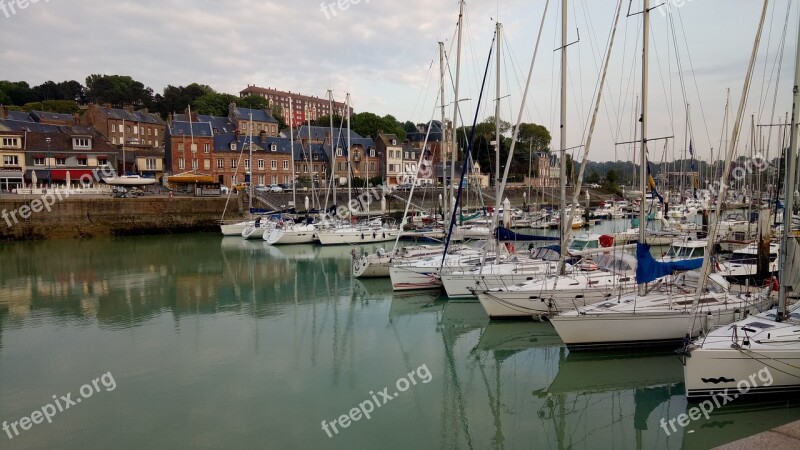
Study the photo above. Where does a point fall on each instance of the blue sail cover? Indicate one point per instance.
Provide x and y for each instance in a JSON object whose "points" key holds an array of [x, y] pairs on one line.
{"points": [[504, 234], [648, 269]]}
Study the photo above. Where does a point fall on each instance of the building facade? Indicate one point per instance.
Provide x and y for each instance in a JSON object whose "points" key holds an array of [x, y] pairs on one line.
{"points": [[304, 107]]}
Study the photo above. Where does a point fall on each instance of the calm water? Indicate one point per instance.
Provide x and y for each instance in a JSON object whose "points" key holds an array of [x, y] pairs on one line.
{"points": [[214, 343]]}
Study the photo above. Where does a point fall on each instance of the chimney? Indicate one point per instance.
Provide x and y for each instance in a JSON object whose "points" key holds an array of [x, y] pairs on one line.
{"points": [[107, 105], [231, 110], [263, 136], [76, 118], [128, 108], [328, 139], [169, 119], [3, 112]]}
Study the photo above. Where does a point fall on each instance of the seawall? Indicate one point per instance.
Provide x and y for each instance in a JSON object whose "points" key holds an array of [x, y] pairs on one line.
{"points": [[84, 217]]}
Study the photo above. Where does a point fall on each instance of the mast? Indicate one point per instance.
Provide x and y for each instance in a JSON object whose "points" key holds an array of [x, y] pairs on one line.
{"points": [[349, 155], [643, 149], [443, 138], [333, 149], [563, 143], [123, 147], [250, 188], [455, 100], [291, 153], [497, 200], [788, 207]]}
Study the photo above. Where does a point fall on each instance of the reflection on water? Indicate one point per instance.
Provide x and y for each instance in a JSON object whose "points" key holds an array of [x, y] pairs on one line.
{"points": [[223, 342]]}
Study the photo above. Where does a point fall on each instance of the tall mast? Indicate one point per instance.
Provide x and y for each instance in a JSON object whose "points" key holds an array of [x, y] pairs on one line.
{"points": [[250, 188], [443, 139], [454, 147], [563, 143], [497, 200], [333, 149], [123, 148], [349, 155], [788, 207], [291, 152], [643, 149]]}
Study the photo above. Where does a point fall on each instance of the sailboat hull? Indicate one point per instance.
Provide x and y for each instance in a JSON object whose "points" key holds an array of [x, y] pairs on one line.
{"points": [[303, 235], [353, 236], [235, 229]]}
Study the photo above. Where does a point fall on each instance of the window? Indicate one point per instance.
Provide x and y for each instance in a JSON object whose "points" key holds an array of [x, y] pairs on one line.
{"points": [[273, 164], [81, 143], [206, 148], [82, 162], [285, 165], [339, 167], [149, 131], [181, 163], [372, 153], [220, 163], [413, 155], [194, 164], [180, 147], [206, 164], [113, 128], [233, 146], [274, 179], [407, 156], [61, 161], [150, 164], [233, 163], [100, 161], [10, 160], [194, 148], [372, 166], [135, 129], [114, 140], [261, 164], [38, 161], [156, 132], [305, 168], [394, 141], [156, 141], [338, 151], [273, 147], [234, 180], [246, 163], [286, 179], [261, 179]]}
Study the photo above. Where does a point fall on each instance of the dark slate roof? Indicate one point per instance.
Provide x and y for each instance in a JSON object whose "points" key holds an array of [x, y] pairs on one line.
{"points": [[136, 116], [259, 115], [201, 129], [319, 133], [17, 125], [61, 141], [220, 124], [222, 143], [39, 115], [435, 133], [19, 115]]}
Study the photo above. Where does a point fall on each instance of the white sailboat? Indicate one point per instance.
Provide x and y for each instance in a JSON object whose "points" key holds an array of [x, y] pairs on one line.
{"points": [[661, 315], [737, 358]]}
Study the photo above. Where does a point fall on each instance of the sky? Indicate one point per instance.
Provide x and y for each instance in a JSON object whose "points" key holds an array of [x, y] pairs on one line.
{"points": [[386, 55]]}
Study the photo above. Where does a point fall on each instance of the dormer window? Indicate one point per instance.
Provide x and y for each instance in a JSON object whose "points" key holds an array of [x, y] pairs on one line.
{"points": [[394, 141], [273, 147], [338, 151], [233, 146], [84, 143], [372, 153]]}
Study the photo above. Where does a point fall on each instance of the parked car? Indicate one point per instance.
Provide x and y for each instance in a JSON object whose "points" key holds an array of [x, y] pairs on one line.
{"points": [[262, 189], [275, 188], [593, 185], [285, 187]]}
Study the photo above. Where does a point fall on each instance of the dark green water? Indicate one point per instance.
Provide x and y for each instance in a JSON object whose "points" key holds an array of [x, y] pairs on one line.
{"points": [[222, 343]]}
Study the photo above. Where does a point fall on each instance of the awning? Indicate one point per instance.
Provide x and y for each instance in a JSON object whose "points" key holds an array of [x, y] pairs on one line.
{"points": [[11, 175], [191, 178], [41, 175], [74, 174]]}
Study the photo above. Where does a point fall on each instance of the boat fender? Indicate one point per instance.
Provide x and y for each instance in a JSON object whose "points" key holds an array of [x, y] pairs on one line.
{"points": [[362, 235], [374, 235]]}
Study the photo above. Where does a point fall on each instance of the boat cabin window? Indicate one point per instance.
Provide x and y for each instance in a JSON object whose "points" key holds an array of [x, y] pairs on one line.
{"points": [[744, 258], [582, 244]]}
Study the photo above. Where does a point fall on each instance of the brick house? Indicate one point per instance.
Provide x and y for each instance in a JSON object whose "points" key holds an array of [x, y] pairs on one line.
{"points": [[126, 125]]}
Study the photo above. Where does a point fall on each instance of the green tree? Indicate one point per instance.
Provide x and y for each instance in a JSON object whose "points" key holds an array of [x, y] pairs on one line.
{"points": [[534, 136], [213, 104], [409, 127], [65, 90], [593, 178], [254, 102], [177, 98], [16, 93], [118, 90], [56, 106]]}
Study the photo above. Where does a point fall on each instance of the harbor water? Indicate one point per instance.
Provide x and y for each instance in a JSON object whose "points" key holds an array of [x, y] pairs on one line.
{"points": [[199, 341]]}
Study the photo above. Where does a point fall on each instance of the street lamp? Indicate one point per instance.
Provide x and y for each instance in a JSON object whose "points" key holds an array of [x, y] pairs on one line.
{"points": [[49, 162]]}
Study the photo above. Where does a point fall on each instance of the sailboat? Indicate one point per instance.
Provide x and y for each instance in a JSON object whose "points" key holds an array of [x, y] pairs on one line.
{"points": [[661, 313], [759, 354], [355, 233], [124, 179]]}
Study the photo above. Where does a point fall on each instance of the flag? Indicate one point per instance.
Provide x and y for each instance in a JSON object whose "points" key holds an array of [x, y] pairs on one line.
{"points": [[652, 184]]}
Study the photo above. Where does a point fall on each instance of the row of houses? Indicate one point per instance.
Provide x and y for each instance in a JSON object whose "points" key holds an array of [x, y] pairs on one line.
{"points": [[42, 147]]}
